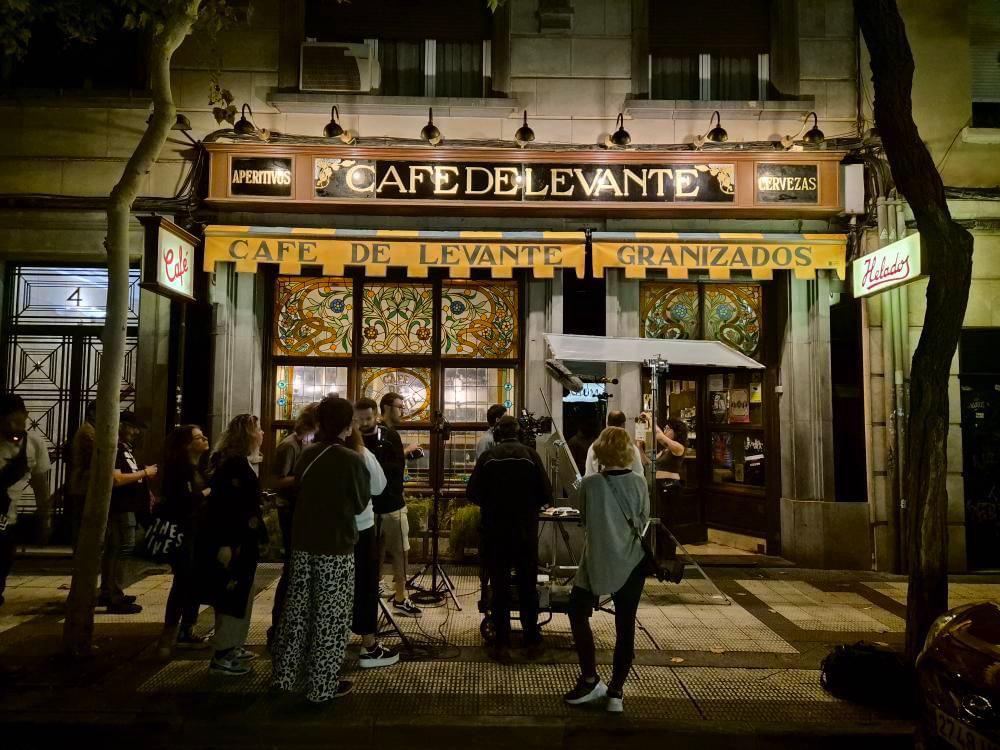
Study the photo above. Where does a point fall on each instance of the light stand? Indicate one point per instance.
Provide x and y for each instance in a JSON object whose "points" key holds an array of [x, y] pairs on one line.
{"points": [[657, 367], [441, 583]]}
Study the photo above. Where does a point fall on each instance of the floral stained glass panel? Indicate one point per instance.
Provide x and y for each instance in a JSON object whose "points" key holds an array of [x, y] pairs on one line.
{"points": [[732, 316], [412, 383], [479, 319], [670, 311], [314, 317], [397, 319]]}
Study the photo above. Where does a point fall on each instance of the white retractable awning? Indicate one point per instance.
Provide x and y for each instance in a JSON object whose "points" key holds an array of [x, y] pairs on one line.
{"points": [[676, 352]]}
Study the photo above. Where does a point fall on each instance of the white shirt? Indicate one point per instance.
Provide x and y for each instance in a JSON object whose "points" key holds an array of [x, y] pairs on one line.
{"points": [[366, 518], [38, 464], [594, 467]]}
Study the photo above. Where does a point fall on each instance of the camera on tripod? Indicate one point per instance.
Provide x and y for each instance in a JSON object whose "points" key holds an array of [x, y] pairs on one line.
{"points": [[529, 427]]}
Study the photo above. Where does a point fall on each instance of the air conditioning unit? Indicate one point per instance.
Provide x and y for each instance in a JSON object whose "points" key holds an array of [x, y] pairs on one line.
{"points": [[336, 66]]}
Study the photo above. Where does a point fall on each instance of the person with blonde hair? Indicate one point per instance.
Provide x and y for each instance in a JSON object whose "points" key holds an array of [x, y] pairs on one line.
{"points": [[233, 531], [615, 512]]}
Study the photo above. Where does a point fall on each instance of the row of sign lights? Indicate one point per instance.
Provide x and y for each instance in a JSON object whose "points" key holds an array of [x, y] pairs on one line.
{"points": [[524, 134]]}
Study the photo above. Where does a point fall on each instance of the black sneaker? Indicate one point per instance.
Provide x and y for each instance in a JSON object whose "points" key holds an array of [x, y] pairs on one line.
{"points": [[499, 653], [123, 608], [378, 656], [586, 691], [343, 688], [406, 608]]}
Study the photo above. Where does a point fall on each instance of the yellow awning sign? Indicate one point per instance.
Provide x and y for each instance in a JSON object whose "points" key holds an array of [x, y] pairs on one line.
{"points": [[378, 250], [720, 254]]}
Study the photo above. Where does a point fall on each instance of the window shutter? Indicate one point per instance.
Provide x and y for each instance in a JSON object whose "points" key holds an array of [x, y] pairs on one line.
{"points": [[398, 20], [984, 39], [732, 27]]}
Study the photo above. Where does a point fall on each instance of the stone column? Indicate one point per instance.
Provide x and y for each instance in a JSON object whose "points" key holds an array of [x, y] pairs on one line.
{"points": [[238, 375], [544, 314], [622, 309], [152, 377], [814, 527]]}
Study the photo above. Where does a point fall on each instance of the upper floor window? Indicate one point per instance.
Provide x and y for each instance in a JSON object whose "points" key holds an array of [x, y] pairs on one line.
{"points": [[428, 49], [984, 48], [721, 55]]}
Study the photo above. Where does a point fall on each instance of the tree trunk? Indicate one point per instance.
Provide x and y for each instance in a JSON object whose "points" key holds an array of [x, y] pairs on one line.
{"points": [[79, 627], [947, 250]]}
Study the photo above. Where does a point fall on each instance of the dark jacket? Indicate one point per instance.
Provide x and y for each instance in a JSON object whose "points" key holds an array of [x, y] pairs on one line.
{"points": [[333, 488], [509, 484], [232, 519], [181, 498], [387, 446]]}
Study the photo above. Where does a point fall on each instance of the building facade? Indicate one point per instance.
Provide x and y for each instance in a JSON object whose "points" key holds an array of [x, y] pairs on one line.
{"points": [[770, 468]]}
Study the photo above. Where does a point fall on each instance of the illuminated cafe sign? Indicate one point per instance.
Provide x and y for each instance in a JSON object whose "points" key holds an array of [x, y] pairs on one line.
{"points": [[895, 264], [378, 250], [253, 176], [719, 254], [787, 183], [169, 265], [353, 179]]}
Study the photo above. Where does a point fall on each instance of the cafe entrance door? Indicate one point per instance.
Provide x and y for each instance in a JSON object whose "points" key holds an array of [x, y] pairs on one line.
{"points": [[724, 493]]}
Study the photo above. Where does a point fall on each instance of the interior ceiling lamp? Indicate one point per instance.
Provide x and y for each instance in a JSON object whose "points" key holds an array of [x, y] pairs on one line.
{"points": [[620, 137], [524, 134], [430, 132], [813, 137], [244, 126]]}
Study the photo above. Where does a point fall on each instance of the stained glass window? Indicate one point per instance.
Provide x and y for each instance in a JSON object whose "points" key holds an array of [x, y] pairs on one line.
{"points": [[412, 383], [460, 455], [470, 391], [670, 311], [296, 386], [732, 315], [397, 318], [479, 319], [313, 316]]}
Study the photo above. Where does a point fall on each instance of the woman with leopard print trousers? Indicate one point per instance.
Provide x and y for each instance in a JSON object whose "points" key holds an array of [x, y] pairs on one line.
{"points": [[334, 487]]}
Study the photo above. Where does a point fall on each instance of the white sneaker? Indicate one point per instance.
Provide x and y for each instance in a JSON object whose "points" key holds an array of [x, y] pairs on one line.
{"points": [[586, 692], [378, 656], [616, 703]]}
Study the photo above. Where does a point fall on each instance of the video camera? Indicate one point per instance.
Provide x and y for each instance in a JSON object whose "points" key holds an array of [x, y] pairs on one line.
{"points": [[530, 427]]}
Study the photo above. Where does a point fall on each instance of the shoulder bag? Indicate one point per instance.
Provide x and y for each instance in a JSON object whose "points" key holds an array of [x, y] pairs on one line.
{"points": [[651, 566]]}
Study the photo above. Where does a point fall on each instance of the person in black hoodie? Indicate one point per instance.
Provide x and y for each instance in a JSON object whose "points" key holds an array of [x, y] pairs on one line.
{"points": [[184, 492], [230, 543], [510, 485]]}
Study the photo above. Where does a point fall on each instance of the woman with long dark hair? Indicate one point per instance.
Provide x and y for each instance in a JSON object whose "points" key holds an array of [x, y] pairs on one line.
{"points": [[334, 487], [232, 533], [184, 490]]}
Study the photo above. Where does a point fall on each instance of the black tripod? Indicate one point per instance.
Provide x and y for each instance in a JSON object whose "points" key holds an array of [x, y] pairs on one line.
{"points": [[441, 583]]}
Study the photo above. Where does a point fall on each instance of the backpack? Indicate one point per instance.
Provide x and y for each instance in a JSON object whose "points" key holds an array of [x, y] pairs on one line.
{"points": [[868, 674]]}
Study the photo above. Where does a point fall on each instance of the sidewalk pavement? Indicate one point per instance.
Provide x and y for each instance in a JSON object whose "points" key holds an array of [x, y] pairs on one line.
{"points": [[709, 672]]}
